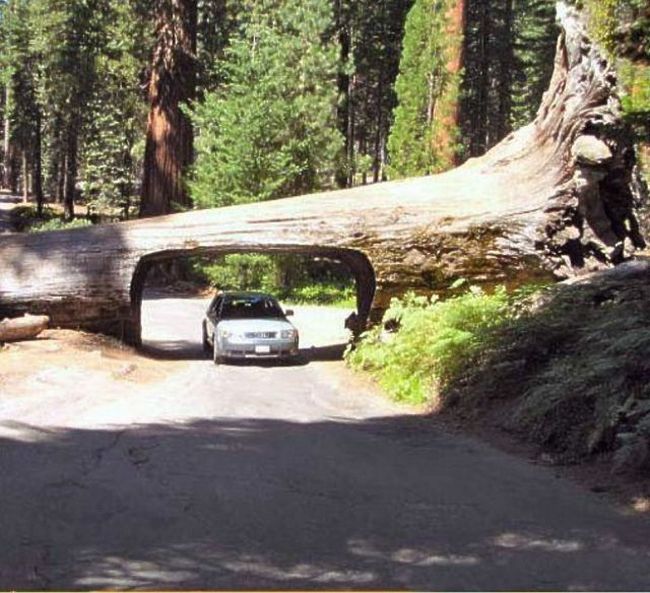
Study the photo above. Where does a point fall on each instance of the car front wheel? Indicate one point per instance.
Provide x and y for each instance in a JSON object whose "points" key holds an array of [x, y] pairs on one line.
{"points": [[206, 343], [216, 358]]}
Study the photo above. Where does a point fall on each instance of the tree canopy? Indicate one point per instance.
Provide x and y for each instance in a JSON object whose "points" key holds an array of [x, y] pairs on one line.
{"points": [[147, 106]]}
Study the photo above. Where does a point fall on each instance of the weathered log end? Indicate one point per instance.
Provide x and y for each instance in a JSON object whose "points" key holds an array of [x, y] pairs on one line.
{"points": [[592, 219], [23, 328]]}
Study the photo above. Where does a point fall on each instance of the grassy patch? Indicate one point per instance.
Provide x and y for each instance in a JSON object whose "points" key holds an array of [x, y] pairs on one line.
{"points": [[58, 224], [25, 219]]}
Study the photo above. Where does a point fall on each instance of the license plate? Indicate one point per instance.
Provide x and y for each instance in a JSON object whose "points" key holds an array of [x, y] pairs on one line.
{"points": [[262, 349]]}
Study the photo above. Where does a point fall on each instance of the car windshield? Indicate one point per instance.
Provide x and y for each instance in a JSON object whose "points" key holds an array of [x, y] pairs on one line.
{"points": [[250, 307]]}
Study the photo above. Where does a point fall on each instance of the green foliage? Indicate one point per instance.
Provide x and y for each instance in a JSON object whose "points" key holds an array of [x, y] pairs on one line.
{"points": [[23, 217], [113, 133], [370, 34], [622, 27], [73, 68], [295, 279], [635, 78], [240, 272], [333, 294], [566, 367], [436, 341], [426, 91], [534, 39], [19, 72], [508, 62], [270, 131]]}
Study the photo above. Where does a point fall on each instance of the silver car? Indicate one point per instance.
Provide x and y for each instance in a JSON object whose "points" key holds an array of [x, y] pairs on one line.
{"points": [[241, 325]]}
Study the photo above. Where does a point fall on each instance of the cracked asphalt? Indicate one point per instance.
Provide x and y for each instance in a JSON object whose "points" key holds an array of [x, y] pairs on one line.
{"points": [[283, 477]]}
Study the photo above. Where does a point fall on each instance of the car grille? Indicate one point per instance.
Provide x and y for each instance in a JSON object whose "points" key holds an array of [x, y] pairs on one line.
{"points": [[262, 335]]}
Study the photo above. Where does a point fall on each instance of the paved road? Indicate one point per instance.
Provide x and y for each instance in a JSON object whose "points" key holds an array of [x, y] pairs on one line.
{"points": [[257, 477], [7, 203]]}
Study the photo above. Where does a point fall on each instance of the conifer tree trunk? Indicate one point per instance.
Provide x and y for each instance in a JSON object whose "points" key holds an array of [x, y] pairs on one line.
{"points": [[60, 179], [25, 173], [168, 150], [351, 133], [505, 72], [443, 140], [9, 179], [343, 110], [37, 165], [484, 83], [377, 160], [72, 149]]}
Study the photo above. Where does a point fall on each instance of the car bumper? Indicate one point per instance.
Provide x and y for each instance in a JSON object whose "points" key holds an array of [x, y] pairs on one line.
{"points": [[267, 349]]}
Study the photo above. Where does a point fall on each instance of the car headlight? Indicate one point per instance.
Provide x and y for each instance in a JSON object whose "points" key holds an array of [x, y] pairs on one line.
{"points": [[289, 334], [224, 333]]}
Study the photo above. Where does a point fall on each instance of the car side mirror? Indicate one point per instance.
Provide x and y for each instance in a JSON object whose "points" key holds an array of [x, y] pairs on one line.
{"points": [[289, 313]]}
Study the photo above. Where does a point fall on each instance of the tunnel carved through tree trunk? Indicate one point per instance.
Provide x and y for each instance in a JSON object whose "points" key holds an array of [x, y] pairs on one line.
{"points": [[554, 199]]}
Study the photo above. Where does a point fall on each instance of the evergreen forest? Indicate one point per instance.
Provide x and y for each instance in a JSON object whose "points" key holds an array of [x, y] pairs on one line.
{"points": [[246, 100]]}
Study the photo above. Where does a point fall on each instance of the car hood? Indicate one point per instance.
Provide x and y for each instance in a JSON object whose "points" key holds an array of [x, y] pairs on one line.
{"points": [[241, 326]]}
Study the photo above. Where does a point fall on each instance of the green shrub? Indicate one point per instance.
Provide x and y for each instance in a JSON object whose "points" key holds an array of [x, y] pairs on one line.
{"points": [[286, 277], [436, 341], [322, 294], [245, 271]]}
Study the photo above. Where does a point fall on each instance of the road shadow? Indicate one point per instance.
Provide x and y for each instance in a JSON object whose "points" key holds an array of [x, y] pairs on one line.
{"points": [[187, 291], [173, 350], [189, 350], [244, 504]]}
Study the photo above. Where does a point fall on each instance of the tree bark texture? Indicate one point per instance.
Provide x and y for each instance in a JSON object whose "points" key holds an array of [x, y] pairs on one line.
{"points": [[168, 150], [25, 176], [443, 140], [71, 165], [343, 24], [554, 199], [37, 165], [7, 152]]}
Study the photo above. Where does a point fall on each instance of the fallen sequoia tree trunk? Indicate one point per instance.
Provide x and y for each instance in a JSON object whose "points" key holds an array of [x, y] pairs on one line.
{"points": [[22, 328], [555, 199]]}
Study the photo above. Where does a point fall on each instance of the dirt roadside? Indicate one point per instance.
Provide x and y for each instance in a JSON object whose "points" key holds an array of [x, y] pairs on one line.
{"points": [[631, 493], [70, 360]]}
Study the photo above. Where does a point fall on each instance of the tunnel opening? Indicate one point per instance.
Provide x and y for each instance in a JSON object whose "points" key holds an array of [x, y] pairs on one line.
{"points": [[330, 290]]}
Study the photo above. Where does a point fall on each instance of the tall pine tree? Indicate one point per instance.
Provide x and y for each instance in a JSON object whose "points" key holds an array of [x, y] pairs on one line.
{"points": [[427, 91], [270, 130]]}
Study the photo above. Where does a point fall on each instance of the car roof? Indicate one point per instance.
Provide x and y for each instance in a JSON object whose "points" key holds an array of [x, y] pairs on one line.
{"points": [[238, 294]]}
